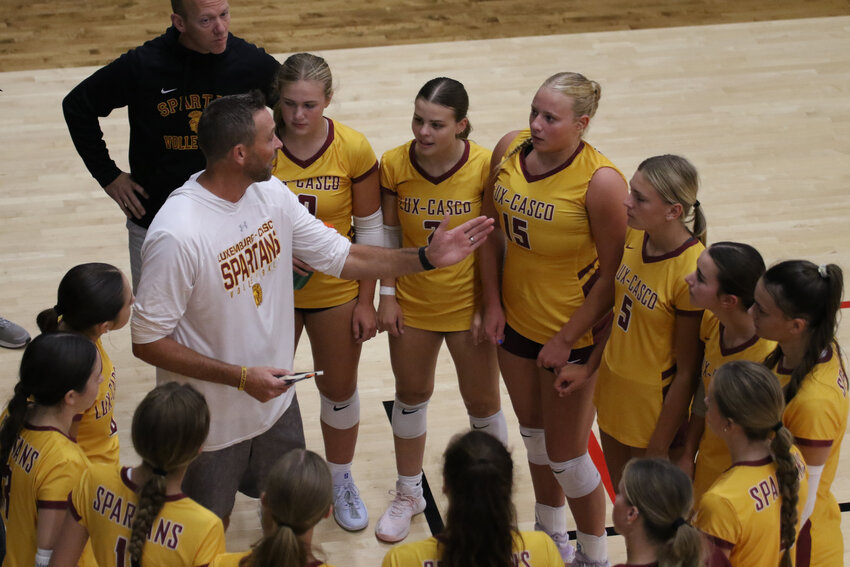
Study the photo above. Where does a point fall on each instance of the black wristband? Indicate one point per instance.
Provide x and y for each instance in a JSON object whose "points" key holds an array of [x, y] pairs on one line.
{"points": [[423, 259]]}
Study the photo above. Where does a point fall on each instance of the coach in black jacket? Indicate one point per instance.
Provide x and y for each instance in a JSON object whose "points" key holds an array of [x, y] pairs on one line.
{"points": [[166, 84]]}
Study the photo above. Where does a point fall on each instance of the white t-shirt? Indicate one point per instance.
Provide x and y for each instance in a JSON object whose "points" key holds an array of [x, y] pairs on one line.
{"points": [[217, 278]]}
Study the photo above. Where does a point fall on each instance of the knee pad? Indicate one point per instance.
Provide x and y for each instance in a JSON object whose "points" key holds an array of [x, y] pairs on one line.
{"points": [[495, 425], [341, 415], [410, 422], [578, 477], [535, 445]]}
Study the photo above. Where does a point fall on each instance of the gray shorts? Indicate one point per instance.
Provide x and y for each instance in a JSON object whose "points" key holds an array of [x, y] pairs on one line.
{"points": [[214, 477], [136, 239]]}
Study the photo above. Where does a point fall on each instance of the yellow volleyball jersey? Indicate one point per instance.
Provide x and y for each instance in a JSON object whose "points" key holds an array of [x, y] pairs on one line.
{"points": [[529, 548], [229, 559], [741, 511], [639, 359], [551, 261], [323, 185], [817, 417], [43, 467], [713, 457], [438, 300], [233, 559], [183, 534], [97, 433]]}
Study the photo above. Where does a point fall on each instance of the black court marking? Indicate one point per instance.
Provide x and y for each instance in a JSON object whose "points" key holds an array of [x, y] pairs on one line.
{"points": [[432, 513], [609, 531]]}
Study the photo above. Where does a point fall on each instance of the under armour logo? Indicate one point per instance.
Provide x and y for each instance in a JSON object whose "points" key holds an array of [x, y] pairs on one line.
{"points": [[243, 226], [405, 411]]}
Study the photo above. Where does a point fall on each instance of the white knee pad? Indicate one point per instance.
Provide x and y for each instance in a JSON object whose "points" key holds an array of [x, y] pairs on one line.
{"points": [[578, 477], [494, 424], [410, 422], [535, 445], [341, 415]]}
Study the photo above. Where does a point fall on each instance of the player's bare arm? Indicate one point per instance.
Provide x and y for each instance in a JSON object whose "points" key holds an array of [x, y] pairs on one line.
{"points": [[607, 215], [447, 247]]}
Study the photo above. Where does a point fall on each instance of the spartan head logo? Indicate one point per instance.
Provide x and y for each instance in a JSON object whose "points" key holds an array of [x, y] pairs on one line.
{"points": [[194, 118], [257, 290]]}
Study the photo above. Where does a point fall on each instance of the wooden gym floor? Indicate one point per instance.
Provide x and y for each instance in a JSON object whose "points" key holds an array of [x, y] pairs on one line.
{"points": [[756, 94]]}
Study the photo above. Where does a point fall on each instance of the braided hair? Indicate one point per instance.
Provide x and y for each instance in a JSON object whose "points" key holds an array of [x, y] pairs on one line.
{"points": [[51, 366], [169, 428], [749, 394]]}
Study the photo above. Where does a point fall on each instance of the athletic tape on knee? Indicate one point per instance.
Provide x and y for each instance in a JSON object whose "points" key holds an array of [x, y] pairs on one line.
{"points": [[578, 477], [535, 445], [341, 415], [495, 425], [410, 421]]}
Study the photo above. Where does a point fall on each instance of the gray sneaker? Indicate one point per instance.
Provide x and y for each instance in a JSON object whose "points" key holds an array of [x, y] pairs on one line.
{"points": [[562, 542], [349, 511], [12, 335]]}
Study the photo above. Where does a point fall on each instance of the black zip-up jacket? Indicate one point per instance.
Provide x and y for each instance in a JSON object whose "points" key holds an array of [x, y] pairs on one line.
{"points": [[165, 86]]}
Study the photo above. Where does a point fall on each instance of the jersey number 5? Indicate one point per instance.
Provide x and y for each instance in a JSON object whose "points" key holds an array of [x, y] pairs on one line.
{"points": [[625, 313], [516, 229]]}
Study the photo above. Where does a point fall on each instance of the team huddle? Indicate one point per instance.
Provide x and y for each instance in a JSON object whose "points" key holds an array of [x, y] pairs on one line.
{"points": [[717, 383]]}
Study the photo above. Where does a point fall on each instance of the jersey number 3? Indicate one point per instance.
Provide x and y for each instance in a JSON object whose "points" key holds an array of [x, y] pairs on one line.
{"points": [[625, 313]]}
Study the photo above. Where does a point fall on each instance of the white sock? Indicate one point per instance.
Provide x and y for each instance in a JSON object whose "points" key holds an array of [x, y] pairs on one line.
{"points": [[594, 547], [553, 519], [411, 485], [495, 425], [340, 473]]}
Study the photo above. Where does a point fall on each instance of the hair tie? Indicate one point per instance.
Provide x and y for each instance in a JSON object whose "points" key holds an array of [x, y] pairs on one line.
{"points": [[156, 470], [678, 523], [777, 427], [285, 525], [696, 204], [58, 310], [822, 271]]}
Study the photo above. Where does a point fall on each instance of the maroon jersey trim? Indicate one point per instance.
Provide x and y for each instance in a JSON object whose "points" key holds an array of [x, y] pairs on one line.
{"points": [[73, 510], [371, 170], [52, 504], [647, 259], [125, 478], [740, 348], [813, 442], [304, 164], [430, 178], [32, 427], [532, 178]]}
